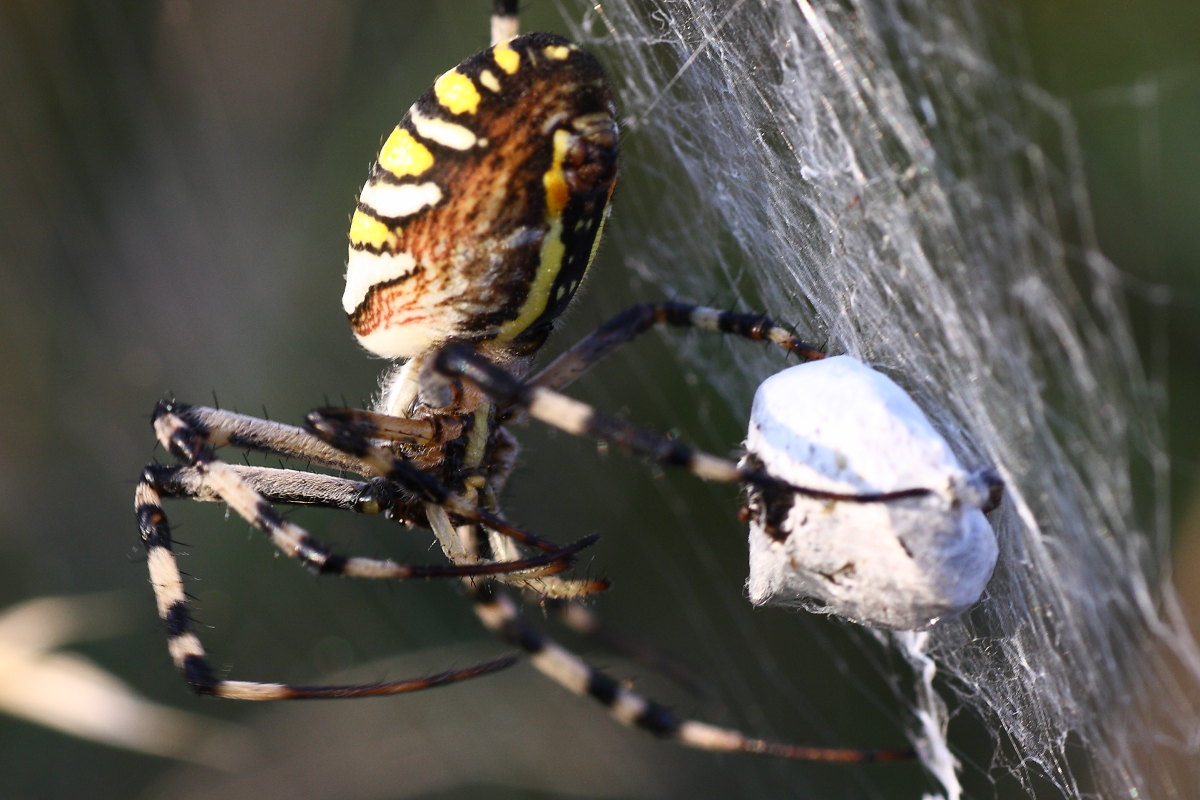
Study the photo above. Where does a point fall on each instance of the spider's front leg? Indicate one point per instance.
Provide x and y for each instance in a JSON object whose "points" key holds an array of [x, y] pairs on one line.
{"points": [[636, 320], [500, 614]]}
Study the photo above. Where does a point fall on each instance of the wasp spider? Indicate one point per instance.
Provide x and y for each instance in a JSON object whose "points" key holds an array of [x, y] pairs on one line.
{"points": [[471, 236]]}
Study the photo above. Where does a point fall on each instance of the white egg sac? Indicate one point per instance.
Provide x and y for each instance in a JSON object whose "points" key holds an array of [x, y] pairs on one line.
{"points": [[838, 425]]}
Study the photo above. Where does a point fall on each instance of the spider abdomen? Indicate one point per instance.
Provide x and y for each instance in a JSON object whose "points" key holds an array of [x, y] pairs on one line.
{"points": [[482, 213]]}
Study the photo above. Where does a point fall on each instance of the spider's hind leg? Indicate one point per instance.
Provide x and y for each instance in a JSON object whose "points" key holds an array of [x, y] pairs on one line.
{"points": [[584, 621], [500, 614]]}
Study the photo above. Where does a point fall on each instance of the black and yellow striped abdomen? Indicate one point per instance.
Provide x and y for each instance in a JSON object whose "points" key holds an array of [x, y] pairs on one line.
{"points": [[482, 213]]}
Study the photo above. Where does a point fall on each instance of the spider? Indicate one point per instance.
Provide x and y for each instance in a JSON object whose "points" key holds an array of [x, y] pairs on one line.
{"points": [[470, 237]]}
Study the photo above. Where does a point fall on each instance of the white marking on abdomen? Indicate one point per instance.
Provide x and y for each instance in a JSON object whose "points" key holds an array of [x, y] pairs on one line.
{"points": [[392, 201], [447, 134], [365, 269]]}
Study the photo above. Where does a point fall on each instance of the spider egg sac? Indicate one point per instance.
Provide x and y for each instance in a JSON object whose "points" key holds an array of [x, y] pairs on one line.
{"points": [[838, 425]]}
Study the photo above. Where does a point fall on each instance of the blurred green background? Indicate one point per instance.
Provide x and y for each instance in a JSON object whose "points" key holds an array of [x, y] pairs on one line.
{"points": [[175, 185]]}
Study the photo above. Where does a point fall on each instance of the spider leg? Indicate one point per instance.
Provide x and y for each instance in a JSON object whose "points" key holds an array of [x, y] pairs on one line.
{"points": [[190, 445], [401, 430], [584, 621], [440, 502], [544, 588], [499, 613], [295, 487], [634, 321], [385, 463], [581, 419], [357, 432], [504, 20], [288, 487], [223, 428], [188, 653]]}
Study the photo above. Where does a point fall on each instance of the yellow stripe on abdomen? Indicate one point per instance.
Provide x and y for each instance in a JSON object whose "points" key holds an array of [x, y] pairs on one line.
{"points": [[456, 93], [549, 265], [402, 155]]}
